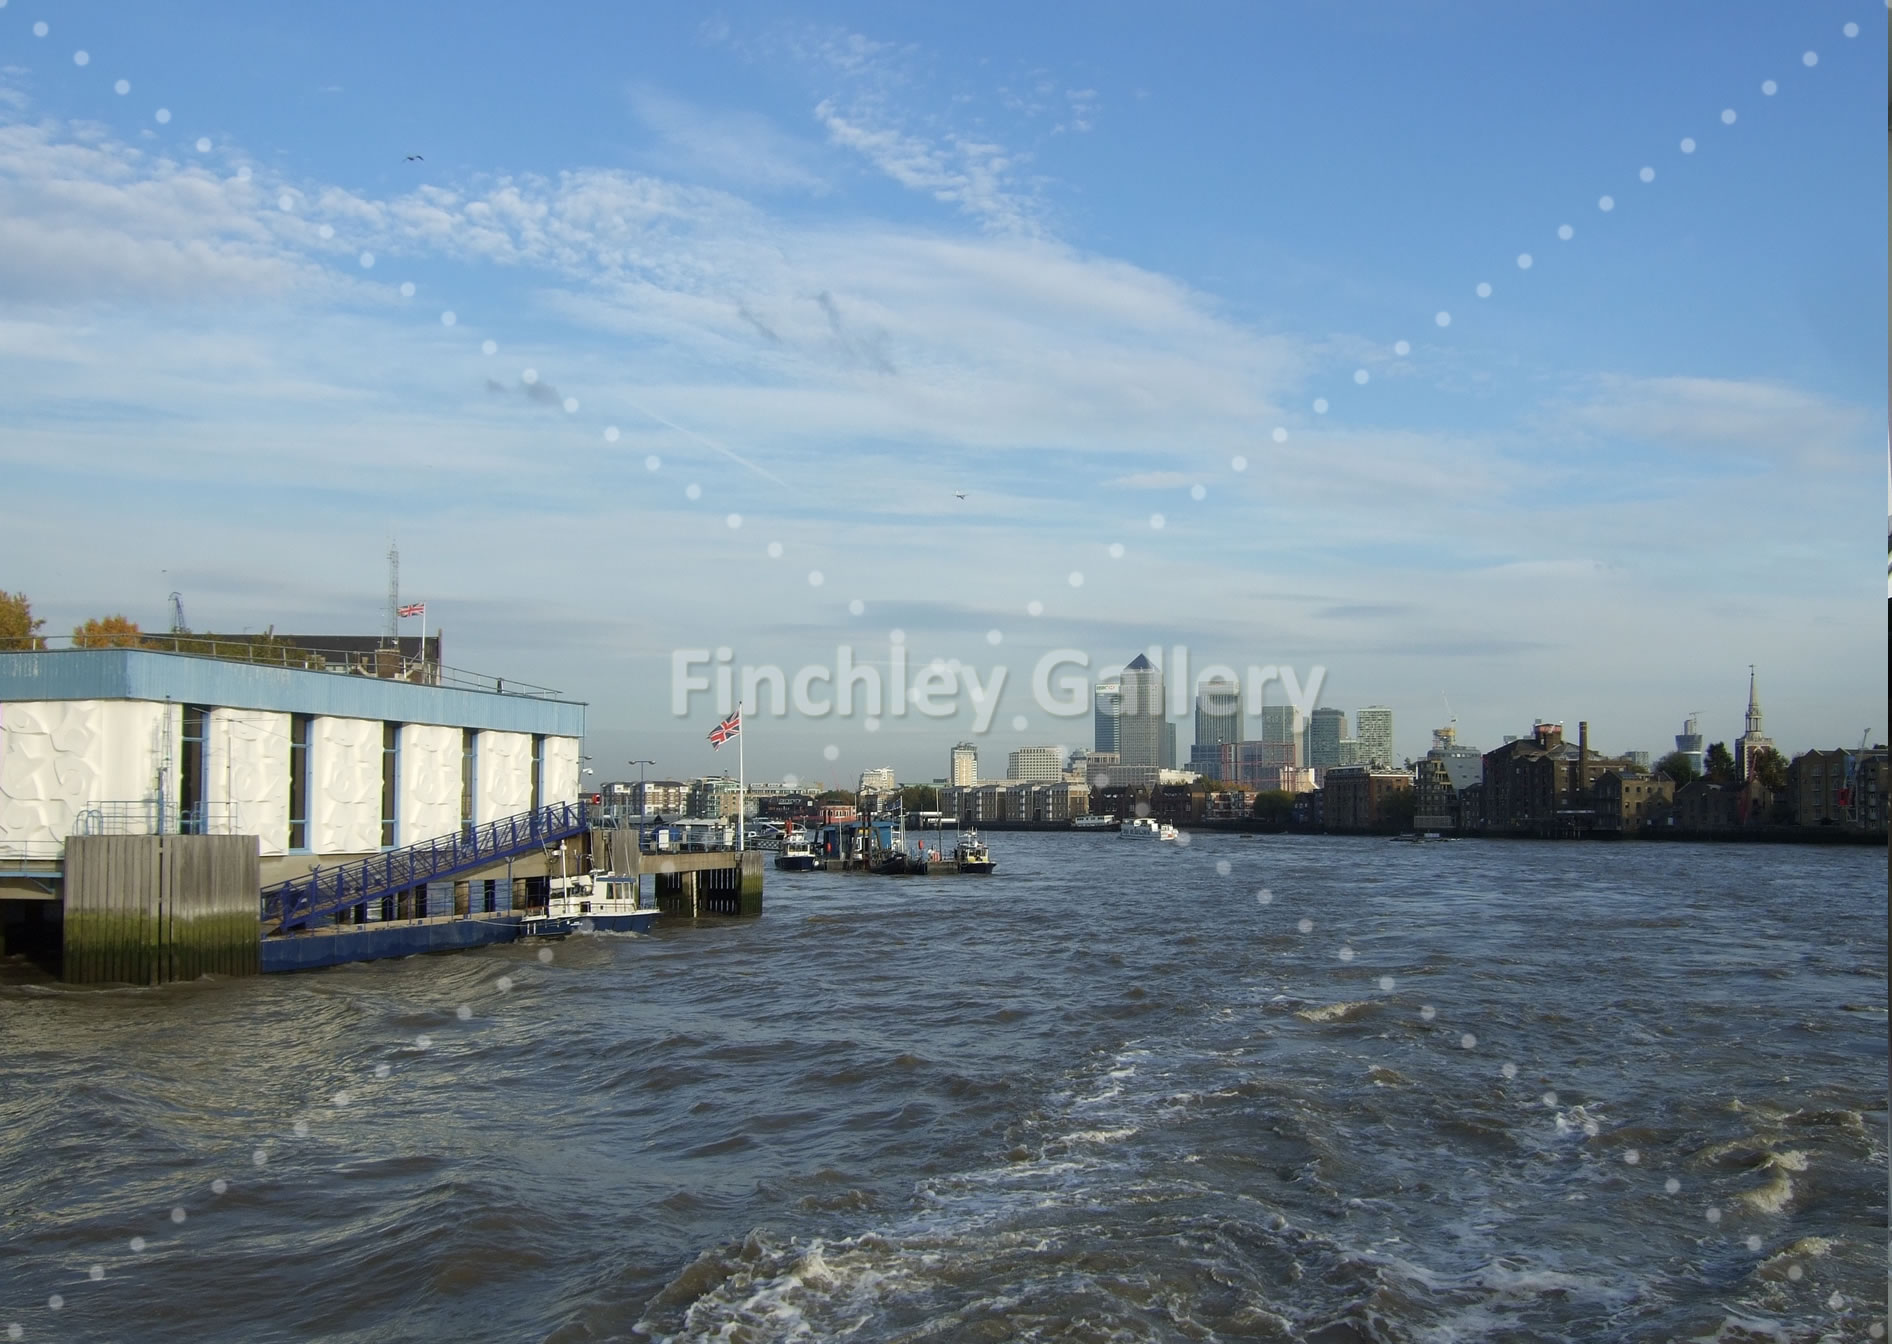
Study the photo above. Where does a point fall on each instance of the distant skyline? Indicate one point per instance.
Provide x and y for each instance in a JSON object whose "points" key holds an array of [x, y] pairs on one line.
{"points": [[1186, 305]]}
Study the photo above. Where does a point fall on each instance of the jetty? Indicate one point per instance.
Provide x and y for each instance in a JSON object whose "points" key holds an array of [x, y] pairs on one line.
{"points": [[167, 814], [880, 846]]}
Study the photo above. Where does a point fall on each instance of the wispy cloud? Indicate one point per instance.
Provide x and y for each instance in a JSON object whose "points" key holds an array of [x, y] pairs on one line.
{"points": [[879, 101], [739, 149], [1696, 414], [975, 176]]}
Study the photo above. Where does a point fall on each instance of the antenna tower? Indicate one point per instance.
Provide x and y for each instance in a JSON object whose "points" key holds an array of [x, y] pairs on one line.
{"points": [[394, 593]]}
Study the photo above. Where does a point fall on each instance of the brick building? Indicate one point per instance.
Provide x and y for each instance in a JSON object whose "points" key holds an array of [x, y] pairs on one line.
{"points": [[1357, 797]]}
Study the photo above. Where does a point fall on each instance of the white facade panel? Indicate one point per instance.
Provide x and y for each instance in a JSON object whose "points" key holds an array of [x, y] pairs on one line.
{"points": [[504, 778], [430, 782], [561, 770], [247, 773], [344, 786], [60, 757]]}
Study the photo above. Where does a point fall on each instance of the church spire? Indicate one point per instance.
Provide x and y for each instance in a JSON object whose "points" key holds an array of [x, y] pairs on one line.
{"points": [[1753, 705]]}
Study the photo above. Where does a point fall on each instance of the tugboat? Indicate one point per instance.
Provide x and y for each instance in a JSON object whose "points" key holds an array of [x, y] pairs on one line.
{"points": [[796, 854], [891, 863], [971, 855]]}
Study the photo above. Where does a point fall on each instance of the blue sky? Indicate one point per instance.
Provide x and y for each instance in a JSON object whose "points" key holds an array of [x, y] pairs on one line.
{"points": [[826, 268]]}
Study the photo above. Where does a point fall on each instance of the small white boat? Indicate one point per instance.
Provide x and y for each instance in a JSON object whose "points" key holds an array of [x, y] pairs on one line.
{"points": [[1149, 828], [1092, 821]]}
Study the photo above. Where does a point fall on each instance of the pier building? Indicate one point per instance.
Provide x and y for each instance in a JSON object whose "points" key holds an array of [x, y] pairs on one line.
{"points": [[153, 796]]}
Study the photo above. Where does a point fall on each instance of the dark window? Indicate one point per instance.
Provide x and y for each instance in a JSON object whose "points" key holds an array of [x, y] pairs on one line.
{"points": [[469, 740], [538, 770], [299, 781], [390, 782], [191, 766]]}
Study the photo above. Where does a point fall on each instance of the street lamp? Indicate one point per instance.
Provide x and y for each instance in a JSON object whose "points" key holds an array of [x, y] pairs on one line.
{"points": [[643, 798]]}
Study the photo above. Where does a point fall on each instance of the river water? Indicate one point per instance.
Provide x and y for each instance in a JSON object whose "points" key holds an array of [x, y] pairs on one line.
{"points": [[1251, 1089]]}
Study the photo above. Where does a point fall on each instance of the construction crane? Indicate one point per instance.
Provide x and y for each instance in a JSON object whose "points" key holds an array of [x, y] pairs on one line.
{"points": [[177, 615]]}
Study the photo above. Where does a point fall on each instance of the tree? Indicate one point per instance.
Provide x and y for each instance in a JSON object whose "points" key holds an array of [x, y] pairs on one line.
{"points": [[1397, 810], [920, 798], [1274, 805], [18, 628], [1679, 768], [1718, 764], [1770, 767], [107, 632], [835, 796]]}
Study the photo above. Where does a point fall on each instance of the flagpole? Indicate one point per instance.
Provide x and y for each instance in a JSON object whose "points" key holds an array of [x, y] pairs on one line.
{"points": [[423, 648], [742, 783]]}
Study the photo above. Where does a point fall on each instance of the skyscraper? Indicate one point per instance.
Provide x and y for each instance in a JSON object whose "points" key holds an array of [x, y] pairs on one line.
{"points": [[1140, 723], [1325, 728], [1689, 742], [1374, 727], [1218, 712], [965, 766], [1107, 703], [1277, 723]]}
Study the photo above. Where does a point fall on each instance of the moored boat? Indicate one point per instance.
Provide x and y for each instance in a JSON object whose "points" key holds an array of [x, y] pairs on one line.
{"points": [[600, 902], [796, 855], [971, 856]]}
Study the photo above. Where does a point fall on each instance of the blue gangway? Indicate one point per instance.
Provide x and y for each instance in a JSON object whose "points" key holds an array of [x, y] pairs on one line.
{"points": [[293, 904]]}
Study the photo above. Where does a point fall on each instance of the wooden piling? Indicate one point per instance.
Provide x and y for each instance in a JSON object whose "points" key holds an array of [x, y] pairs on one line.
{"points": [[150, 909]]}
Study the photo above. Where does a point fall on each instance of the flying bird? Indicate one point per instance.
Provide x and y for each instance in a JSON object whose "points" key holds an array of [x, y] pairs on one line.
{"points": [[959, 494], [414, 158]]}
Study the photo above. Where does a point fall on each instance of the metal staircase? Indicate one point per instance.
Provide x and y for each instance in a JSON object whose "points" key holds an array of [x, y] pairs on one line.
{"points": [[294, 904]]}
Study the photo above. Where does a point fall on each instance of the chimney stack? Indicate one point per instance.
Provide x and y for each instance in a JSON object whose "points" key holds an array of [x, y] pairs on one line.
{"points": [[1583, 757]]}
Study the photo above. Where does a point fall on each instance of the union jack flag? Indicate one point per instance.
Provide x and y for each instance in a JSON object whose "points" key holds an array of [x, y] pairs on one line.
{"points": [[725, 730], [413, 609]]}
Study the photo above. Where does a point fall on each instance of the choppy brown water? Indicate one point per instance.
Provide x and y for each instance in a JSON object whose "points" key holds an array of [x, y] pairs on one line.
{"points": [[1107, 1095]]}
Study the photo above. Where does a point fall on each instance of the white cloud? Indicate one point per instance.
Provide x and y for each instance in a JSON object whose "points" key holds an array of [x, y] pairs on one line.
{"points": [[93, 219], [874, 366]]}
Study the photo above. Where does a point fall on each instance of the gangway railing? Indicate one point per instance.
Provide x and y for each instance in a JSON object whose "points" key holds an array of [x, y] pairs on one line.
{"points": [[293, 904]]}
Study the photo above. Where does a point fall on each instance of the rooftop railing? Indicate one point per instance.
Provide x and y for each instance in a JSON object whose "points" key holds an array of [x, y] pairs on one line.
{"points": [[389, 663]]}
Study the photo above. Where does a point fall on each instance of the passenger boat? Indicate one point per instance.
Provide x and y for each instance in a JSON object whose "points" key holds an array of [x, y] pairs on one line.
{"points": [[1091, 821], [797, 855], [600, 902], [1149, 828]]}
